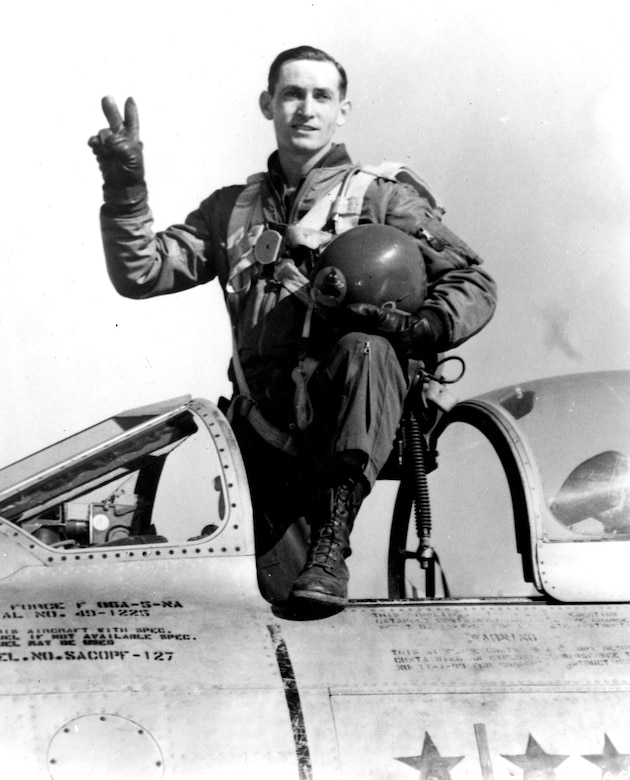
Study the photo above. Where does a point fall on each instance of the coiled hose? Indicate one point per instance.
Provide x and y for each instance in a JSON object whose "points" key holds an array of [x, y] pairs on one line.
{"points": [[421, 502]]}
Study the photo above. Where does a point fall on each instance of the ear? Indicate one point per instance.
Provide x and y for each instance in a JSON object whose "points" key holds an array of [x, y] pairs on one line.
{"points": [[264, 101], [344, 111]]}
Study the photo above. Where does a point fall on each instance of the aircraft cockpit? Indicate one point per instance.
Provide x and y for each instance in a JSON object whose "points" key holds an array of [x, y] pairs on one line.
{"points": [[155, 476]]}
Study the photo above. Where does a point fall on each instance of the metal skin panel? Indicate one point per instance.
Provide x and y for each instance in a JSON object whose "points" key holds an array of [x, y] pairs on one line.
{"points": [[469, 648], [530, 735]]}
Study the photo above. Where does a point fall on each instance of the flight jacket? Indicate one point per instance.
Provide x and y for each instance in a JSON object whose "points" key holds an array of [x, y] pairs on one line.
{"points": [[143, 263]]}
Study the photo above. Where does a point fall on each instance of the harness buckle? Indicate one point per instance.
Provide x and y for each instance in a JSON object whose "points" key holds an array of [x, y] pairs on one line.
{"points": [[243, 404], [268, 247]]}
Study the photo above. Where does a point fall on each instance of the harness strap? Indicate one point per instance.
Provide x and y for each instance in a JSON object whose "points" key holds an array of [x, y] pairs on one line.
{"points": [[281, 440], [270, 433], [300, 375], [245, 248], [319, 214], [293, 280], [348, 206], [242, 237], [246, 226]]}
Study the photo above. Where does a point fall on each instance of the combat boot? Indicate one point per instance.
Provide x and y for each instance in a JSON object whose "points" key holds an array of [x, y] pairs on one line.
{"points": [[324, 578]]}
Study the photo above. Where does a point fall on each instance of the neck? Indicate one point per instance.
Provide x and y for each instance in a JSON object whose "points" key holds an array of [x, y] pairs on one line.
{"points": [[296, 166]]}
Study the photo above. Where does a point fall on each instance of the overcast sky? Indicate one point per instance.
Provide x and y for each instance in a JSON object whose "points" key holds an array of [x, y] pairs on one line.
{"points": [[517, 113]]}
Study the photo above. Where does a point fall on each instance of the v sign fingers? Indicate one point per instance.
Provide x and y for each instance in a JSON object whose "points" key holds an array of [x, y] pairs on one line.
{"points": [[118, 150]]}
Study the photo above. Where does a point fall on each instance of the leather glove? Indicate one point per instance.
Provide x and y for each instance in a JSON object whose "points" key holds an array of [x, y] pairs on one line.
{"points": [[118, 150], [418, 334]]}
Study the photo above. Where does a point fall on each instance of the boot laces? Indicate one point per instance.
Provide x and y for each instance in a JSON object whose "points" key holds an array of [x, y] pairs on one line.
{"points": [[333, 536]]}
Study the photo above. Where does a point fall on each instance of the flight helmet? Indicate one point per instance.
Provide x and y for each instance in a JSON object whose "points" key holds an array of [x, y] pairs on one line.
{"points": [[373, 263]]}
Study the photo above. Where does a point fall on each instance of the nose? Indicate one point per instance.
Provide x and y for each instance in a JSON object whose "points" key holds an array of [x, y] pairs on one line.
{"points": [[306, 105]]}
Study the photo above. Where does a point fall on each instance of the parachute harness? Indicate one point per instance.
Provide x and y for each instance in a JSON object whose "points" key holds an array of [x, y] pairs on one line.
{"points": [[252, 246]]}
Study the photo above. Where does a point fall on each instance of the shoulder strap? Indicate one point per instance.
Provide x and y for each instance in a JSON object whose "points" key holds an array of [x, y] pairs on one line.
{"points": [[246, 210], [349, 204], [406, 175], [241, 238], [345, 199]]}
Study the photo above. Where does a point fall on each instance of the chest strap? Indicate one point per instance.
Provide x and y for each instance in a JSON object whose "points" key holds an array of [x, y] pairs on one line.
{"points": [[246, 233], [341, 206]]}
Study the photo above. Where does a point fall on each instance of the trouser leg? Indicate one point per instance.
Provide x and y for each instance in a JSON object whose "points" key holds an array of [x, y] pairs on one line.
{"points": [[357, 393], [357, 396]]}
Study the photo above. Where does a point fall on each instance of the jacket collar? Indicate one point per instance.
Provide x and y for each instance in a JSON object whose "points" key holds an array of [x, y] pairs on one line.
{"points": [[336, 157]]}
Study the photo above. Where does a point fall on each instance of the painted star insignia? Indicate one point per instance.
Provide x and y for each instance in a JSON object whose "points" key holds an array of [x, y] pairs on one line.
{"points": [[612, 763], [535, 763], [431, 764]]}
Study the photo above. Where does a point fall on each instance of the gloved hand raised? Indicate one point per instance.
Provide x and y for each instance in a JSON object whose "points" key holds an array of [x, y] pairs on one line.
{"points": [[418, 334], [118, 150]]}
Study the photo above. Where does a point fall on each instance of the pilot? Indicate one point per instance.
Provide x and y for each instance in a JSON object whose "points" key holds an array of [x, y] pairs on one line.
{"points": [[318, 397]]}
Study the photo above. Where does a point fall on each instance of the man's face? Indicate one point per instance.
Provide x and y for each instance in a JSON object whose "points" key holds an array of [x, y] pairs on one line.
{"points": [[306, 108]]}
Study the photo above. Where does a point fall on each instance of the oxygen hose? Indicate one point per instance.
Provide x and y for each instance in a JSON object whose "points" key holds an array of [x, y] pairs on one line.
{"points": [[421, 502]]}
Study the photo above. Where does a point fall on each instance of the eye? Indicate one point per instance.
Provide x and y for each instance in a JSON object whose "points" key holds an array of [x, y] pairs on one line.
{"points": [[291, 93], [322, 95]]}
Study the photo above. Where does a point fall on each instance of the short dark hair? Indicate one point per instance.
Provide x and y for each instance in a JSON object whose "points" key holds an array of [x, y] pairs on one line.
{"points": [[304, 53]]}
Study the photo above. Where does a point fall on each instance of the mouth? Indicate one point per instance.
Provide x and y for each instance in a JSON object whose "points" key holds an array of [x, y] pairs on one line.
{"points": [[302, 128]]}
